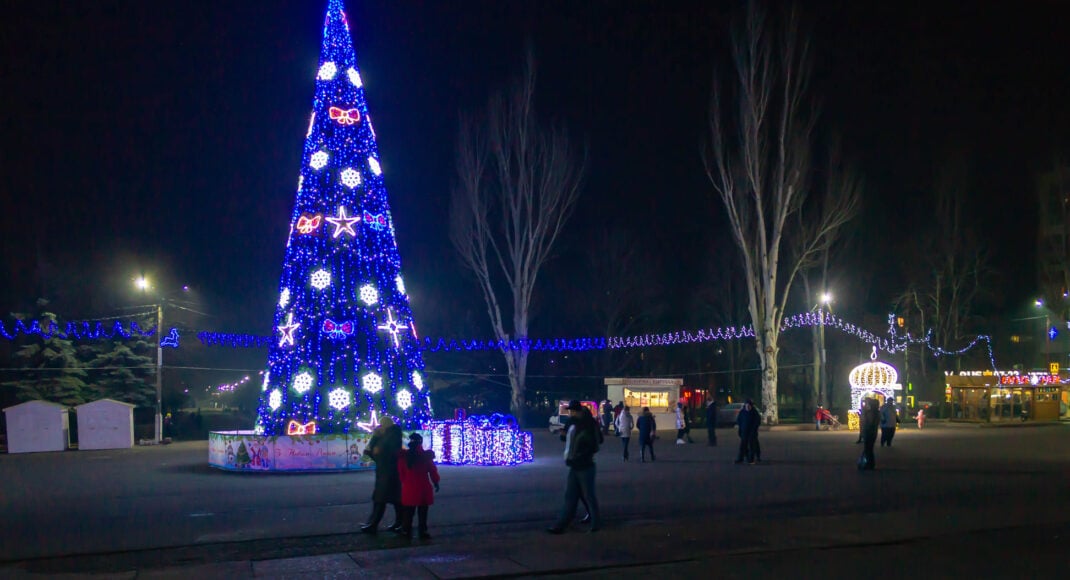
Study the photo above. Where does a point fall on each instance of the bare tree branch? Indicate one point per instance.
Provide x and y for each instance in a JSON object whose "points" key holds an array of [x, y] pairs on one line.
{"points": [[518, 184]]}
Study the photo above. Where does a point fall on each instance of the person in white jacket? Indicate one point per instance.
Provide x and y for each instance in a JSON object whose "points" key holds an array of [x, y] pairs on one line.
{"points": [[682, 426], [624, 424]]}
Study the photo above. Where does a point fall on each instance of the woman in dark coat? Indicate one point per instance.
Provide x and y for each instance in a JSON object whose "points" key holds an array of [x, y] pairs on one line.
{"points": [[383, 449], [648, 429]]}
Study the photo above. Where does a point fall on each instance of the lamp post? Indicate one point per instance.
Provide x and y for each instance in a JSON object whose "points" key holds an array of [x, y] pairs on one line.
{"points": [[143, 284], [826, 300], [820, 373]]}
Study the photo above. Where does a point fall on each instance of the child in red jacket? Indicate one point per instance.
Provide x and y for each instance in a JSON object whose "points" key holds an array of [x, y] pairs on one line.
{"points": [[418, 473]]}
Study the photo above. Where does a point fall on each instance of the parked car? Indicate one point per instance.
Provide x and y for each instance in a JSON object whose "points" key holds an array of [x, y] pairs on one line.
{"points": [[726, 414], [557, 423]]}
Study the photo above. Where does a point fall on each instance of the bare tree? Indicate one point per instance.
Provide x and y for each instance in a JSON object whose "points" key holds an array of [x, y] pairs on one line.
{"points": [[761, 173], [948, 288], [518, 183], [622, 290]]}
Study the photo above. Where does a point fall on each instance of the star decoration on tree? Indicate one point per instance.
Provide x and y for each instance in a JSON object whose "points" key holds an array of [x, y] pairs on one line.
{"points": [[286, 332], [343, 223], [371, 424], [393, 327]]}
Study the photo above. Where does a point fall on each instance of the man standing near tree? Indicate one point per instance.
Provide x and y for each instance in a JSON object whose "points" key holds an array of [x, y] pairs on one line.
{"points": [[711, 422]]}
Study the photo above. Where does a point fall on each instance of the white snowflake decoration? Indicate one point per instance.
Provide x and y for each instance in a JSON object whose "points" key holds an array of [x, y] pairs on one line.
{"points": [[275, 400], [374, 164], [338, 398], [320, 279], [327, 71], [284, 297], [417, 381], [302, 382], [318, 160], [368, 294], [350, 177], [400, 283], [404, 399], [354, 77], [372, 383]]}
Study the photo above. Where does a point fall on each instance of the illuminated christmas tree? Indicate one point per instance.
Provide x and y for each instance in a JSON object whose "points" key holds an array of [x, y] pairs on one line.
{"points": [[345, 352]]}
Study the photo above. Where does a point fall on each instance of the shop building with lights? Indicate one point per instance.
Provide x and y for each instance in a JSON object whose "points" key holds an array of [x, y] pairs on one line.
{"points": [[998, 396]]}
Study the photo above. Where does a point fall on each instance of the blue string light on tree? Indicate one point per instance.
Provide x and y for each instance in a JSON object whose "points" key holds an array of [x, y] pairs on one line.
{"points": [[331, 369]]}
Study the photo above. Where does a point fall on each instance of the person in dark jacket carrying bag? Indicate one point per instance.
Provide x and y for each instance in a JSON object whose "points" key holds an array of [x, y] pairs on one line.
{"points": [[580, 448], [871, 419]]}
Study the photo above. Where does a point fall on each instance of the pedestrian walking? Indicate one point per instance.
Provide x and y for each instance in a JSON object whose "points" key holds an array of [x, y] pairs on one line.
{"points": [[711, 423], [607, 416], [861, 410], [921, 418], [681, 424], [624, 424], [748, 422], [889, 422], [383, 450], [580, 448], [566, 436], [871, 419], [419, 483], [648, 431]]}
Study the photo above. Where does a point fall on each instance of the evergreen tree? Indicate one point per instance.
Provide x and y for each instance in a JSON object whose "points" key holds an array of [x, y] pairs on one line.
{"points": [[122, 372], [49, 369], [346, 350]]}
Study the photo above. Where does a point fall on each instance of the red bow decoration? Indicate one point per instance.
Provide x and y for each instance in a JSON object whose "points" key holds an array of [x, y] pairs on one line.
{"points": [[295, 428], [344, 116], [338, 329], [307, 224], [377, 221]]}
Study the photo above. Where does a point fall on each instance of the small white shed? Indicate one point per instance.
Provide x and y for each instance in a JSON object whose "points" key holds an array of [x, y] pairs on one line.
{"points": [[105, 424], [37, 426]]}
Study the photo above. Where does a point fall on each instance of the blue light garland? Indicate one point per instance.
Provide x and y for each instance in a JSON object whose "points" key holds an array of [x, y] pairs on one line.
{"points": [[81, 330], [893, 343]]}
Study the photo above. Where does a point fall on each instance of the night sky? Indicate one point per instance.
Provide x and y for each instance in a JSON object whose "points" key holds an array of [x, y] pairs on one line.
{"points": [[165, 137]]}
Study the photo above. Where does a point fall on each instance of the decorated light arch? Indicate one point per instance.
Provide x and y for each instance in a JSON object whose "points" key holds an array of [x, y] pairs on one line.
{"points": [[873, 377]]}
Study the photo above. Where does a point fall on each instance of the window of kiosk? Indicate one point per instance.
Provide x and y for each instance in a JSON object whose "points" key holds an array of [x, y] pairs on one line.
{"points": [[658, 401]]}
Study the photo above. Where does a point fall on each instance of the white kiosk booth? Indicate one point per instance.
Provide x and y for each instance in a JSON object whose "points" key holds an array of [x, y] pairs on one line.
{"points": [[105, 424], [660, 395], [36, 426]]}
